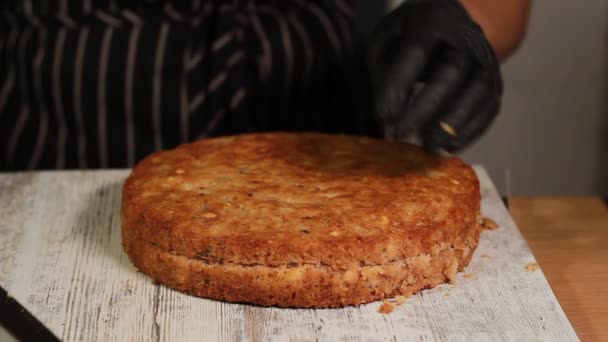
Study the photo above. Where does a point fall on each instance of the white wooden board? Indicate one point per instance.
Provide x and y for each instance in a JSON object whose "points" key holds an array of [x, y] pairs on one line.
{"points": [[61, 258]]}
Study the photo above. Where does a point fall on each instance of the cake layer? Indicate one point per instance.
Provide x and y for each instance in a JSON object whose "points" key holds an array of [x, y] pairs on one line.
{"points": [[300, 220]]}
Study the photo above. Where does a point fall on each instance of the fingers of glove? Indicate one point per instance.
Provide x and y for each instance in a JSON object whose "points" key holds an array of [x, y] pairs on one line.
{"points": [[392, 89], [485, 57], [466, 34], [444, 82], [467, 105], [474, 128], [478, 124]]}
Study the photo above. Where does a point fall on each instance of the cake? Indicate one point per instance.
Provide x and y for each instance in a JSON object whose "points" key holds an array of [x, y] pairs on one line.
{"points": [[300, 219]]}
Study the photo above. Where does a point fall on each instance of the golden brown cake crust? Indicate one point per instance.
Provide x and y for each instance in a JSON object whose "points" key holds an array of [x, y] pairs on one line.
{"points": [[277, 208]]}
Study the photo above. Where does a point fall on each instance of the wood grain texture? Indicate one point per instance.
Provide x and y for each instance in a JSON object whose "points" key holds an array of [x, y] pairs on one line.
{"points": [[569, 236], [61, 257]]}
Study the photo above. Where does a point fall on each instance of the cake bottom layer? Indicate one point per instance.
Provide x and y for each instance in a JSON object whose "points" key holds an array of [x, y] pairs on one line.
{"points": [[307, 285]]}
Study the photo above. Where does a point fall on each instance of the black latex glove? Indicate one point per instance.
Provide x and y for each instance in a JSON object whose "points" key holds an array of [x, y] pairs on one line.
{"points": [[434, 48]]}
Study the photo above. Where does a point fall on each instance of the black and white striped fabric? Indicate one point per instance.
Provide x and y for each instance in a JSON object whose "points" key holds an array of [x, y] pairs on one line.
{"points": [[101, 84]]}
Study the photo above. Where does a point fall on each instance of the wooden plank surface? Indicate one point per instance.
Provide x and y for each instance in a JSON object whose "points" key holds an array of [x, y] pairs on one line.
{"points": [[569, 237], [60, 256]]}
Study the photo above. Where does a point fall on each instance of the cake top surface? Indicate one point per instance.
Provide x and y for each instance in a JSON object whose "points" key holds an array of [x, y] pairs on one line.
{"points": [[300, 198]]}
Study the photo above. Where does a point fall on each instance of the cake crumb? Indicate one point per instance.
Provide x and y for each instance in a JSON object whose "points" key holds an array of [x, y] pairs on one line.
{"points": [[488, 223], [531, 267], [446, 294], [451, 271], [400, 300], [467, 275], [386, 307], [485, 256]]}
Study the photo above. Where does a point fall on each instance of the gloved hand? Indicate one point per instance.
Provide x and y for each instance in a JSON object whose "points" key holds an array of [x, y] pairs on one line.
{"points": [[433, 73]]}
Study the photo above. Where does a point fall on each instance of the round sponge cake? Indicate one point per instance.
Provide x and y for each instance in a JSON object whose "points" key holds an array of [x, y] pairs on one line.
{"points": [[300, 219]]}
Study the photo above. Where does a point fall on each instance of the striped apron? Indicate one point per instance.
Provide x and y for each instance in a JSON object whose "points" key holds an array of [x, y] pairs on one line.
{"points": [[101, 84]]}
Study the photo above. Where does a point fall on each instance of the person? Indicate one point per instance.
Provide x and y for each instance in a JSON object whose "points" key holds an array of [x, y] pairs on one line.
{"points": [[102, 84]]}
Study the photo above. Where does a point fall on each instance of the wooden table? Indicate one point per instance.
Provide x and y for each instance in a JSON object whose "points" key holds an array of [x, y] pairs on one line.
{"points": [[569, 238]]}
